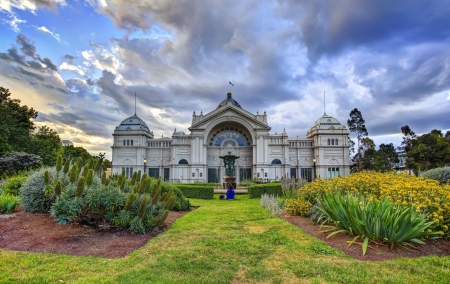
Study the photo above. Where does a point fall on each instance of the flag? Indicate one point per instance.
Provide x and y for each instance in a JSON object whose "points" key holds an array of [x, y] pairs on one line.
{"points": [[231, 83]]}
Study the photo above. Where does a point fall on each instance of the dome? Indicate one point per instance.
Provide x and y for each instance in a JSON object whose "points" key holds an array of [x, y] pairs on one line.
{"points": [[229, 99], [326, 121], [134, 123]]}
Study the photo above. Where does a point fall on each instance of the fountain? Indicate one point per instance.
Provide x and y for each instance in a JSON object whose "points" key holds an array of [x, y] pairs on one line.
{"points": [[229, 178]]}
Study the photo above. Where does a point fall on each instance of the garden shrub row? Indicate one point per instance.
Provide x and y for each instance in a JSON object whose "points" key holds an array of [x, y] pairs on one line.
{"points": [[442, 175], [256, 190], [200, 191]]}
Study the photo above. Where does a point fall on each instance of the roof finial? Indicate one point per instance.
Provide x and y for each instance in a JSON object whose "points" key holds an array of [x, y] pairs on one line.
{"points": [[134, 103], [324, 109]]}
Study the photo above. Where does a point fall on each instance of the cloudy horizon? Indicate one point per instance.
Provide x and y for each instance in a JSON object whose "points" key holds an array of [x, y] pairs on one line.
{"points": [[79, 63]]}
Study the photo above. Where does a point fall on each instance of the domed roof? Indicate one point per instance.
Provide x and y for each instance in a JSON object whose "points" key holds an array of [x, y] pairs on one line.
{"points": [[134, 123], [229, 99], [326, 121]]}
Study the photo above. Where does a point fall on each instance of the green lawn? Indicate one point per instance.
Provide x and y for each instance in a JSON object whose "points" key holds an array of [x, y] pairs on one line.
{"points": [[224, 242]]}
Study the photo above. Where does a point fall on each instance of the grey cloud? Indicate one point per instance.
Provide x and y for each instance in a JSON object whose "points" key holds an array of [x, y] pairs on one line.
{"points": [[30, 74], [27, 47], [69, 58], [330, 27], [48, 86], [48, 63], [13, 56]]}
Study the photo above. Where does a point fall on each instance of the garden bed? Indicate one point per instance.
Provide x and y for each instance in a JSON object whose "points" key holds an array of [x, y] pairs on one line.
{"points": [[438, 247], [23, 231]]}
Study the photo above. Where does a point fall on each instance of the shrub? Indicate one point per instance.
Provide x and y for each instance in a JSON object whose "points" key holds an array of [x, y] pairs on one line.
{"points": [[200, 191], [18, 161], [442, 175], [13, 185], [271, 203], [8, 203], [246, 182], [373, 220], [256, 190], [33, 192], [181, 202]]}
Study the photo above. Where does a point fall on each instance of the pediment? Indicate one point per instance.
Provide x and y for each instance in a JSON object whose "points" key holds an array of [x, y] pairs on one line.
{"points": [[230, 111]]}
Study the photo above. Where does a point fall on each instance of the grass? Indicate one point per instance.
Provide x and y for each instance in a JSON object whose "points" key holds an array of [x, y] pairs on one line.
{"points": [[223, 242]]}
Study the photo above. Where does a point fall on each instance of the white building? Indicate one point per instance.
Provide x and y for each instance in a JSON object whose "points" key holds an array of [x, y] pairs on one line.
{"points": [[194, 157]]}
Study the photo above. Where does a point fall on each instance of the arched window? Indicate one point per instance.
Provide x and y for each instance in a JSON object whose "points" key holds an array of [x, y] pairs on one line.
{"points": [[124, 143], [332, 141], [183, 162], [276, 162], [131, 142], [128, 142], [226, 137], [328, 141], [336, 142]]}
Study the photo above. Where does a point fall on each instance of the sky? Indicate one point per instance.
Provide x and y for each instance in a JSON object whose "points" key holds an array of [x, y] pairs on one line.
{"points": [[80, 62]]}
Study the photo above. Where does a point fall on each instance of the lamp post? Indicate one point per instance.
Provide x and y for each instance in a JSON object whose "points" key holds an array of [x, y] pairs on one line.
{"points": [[145, 163], [314, 160]]}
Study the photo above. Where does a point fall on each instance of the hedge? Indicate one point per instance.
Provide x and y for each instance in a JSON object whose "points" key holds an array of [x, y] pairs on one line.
{"points": [[256, 190], [200, 191]]}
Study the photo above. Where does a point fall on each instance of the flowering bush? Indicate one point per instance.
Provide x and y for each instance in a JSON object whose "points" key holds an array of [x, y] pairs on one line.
{"points": [[426, 195]]}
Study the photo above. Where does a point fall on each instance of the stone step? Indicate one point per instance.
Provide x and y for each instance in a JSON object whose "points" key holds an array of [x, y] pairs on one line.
{"points": [[238, 190]]}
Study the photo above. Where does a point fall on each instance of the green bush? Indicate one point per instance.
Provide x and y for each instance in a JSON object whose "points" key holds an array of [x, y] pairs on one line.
{"points": [[8, 203], [440, 174], [181, 202], [272, 203], [379, 221], [256, 190], [200, 191], [34, 199], [12, 186]]}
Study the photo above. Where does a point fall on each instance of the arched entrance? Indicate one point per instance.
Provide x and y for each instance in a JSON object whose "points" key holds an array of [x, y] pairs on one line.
{"points": [[230, 137]]}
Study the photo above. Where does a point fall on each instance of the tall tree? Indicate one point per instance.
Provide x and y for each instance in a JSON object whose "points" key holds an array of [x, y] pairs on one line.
{"points": [[386, 158], [16, 124], [356, 124], [46, 144], [428, 151], [367, 154], [71, 152], [408, 137]]}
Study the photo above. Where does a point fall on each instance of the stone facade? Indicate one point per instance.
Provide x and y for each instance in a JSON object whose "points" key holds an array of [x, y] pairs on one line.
{"points": [[194, 157]]}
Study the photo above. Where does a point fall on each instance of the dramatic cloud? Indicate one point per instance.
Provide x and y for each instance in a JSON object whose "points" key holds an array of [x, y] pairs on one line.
{"points": [[389, 59]]}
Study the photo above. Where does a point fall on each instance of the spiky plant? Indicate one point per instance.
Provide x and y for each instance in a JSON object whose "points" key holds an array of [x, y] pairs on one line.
{"points": [[156, 194], [79, 162], [85, 171], [80, 187], [141, 210], [66, 166], [138, 176], [133, 178], [123, 172], [46, 177], [59, 163], [73, 174], [104, 178], [58, 188], [90, 177]]}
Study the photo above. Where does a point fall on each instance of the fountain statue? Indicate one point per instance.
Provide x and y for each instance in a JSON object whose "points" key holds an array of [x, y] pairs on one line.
{"points": [[229, 178]]}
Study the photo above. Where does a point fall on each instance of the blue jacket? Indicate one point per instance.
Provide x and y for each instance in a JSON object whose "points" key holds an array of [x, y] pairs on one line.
{"points": [[230, 194]]}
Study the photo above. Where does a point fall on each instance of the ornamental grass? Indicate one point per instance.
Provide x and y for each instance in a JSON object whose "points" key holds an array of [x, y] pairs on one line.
{"points": [[425, 195], [372, 220]]}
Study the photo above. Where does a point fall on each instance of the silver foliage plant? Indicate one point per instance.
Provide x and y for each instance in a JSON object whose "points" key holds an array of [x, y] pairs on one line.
{"points": [[272, 204], [440, 174]]}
